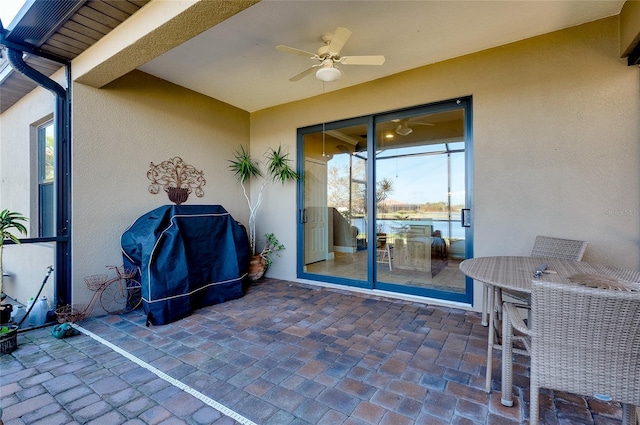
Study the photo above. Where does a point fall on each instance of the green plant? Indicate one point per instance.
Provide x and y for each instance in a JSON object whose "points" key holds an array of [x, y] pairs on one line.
{"points": [[276, 169], [271, 246], [10, 220]]}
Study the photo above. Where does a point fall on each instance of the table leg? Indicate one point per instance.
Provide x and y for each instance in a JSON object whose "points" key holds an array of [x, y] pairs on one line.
{"points": [[507, 360], [485, 302], [490, 305]]}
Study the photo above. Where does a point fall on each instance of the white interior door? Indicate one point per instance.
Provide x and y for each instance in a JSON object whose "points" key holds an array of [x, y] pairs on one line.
{"points": [[315, 205]]}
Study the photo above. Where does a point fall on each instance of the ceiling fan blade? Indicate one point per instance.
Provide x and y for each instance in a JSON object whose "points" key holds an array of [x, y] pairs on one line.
{"points": [[302, 74], [362, 60], [340, 36], [422, 123], [295, 51]]}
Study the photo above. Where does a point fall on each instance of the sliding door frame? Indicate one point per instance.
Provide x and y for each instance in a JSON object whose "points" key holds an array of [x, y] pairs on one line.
{"points": [[371, 121]]}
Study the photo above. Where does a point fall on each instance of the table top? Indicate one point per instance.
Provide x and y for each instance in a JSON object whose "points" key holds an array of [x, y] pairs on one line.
{"points": [[516, 273]]}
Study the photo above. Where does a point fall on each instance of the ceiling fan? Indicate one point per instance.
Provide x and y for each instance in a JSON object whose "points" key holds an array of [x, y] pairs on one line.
{"points": [[403, 128], [329, 55]]}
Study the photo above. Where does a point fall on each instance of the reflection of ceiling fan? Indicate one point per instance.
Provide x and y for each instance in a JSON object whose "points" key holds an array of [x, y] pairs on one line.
{"points": [[403, 128], [328, 55]]}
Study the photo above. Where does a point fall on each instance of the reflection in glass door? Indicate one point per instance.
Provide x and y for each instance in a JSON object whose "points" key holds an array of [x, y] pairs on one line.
{"points": [[334, 206], [420, 194], [382, 198]]}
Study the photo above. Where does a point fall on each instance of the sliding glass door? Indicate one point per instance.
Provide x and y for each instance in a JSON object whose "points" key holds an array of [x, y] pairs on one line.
{"points": [[334, 208], [386, 201]]}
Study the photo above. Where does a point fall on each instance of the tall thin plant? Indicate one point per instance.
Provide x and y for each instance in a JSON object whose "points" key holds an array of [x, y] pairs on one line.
{"points": [[9, 220], [276, 169]]}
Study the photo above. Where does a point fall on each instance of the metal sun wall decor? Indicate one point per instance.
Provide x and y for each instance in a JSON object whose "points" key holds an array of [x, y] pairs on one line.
{"points": [[178, 179]]}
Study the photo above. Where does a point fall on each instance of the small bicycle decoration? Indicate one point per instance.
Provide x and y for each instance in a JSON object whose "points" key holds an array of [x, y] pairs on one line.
{"points": [[118, 295]]}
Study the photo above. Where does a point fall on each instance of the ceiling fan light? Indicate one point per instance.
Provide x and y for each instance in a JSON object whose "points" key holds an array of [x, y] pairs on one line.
{"points": [[328, 74], [403, 130]]}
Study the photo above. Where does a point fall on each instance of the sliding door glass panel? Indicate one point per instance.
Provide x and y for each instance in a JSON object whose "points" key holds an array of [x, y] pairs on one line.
{"points": [[420, 192], [334, 211], [381, 201]]}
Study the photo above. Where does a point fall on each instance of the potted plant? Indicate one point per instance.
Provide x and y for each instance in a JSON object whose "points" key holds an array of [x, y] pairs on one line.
{"points": [[273, 168], [8, 220], [261, 262]]}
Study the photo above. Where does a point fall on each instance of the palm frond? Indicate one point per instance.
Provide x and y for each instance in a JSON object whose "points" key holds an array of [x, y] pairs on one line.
{"points": [[278, 166], [12, 220], [243, 166]]}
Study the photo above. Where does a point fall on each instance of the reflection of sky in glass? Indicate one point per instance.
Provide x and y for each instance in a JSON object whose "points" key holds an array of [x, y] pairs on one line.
{"points": [[419, 178], [339, 161], [9, 9]]}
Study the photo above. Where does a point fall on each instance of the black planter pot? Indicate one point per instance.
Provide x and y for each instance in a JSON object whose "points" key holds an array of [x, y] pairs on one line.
{"points": [[8, 340], [5, 313]]}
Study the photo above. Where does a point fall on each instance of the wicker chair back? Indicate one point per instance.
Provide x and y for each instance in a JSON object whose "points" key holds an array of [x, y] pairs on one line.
{"points": [[586, 341], [566, 249]]}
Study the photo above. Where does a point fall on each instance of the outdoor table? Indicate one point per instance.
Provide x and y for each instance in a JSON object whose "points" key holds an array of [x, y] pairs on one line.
{"points": [[516, 274]]}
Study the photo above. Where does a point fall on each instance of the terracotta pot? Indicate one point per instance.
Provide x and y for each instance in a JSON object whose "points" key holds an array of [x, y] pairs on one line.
{"points": [[177, 195], [257, 268]]}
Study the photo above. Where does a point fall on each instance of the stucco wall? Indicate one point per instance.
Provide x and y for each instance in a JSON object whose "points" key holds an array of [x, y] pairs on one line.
{"points": [[18, 155], [556, 131], [26, 263], [118, 131]]}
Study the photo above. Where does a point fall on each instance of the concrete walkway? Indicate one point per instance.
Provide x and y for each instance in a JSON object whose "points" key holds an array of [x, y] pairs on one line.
{"points": [[284, 354]]}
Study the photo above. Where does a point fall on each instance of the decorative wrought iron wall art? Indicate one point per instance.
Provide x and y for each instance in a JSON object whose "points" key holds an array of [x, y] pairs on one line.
{"points": [[178, 179]]}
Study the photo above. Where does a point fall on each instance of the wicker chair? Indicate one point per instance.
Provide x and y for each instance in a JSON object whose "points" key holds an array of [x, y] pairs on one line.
{"points": [[549, 247], [544, 247], [567, 249], [583, 341]]}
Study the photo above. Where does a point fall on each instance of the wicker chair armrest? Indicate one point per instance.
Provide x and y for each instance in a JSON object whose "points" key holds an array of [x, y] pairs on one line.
{"points": [[516, 320]]}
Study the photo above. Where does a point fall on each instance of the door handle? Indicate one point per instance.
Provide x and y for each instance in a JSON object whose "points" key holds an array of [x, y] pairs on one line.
{"points": [[465, 218]]}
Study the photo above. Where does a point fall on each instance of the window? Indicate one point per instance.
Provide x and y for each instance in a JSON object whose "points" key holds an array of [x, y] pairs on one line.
{"points": [[46, 155]]}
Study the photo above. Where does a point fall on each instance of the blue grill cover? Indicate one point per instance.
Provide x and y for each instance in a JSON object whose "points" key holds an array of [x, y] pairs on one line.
{"points": [[188, 256]]}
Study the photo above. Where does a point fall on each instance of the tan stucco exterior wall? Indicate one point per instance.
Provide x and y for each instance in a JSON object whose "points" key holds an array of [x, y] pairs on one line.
{"points": [[556, 132], [27, 263], [118, 131]]}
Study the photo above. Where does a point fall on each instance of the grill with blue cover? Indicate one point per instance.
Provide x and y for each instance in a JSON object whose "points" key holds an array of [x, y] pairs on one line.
{"points": [[189, 257]]}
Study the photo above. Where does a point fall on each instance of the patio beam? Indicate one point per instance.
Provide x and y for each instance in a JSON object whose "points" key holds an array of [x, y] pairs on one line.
{"points": [[155, 29]]}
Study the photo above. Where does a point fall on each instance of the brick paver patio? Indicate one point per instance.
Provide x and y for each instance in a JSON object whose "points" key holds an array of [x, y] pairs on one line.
{"points": [[286, 353]]}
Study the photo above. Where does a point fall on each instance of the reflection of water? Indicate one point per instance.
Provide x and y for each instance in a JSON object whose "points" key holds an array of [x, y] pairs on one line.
{"points": [[396, 226]]}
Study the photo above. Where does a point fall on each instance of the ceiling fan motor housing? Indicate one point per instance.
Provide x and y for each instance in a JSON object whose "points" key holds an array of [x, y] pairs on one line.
{"points": [[324, 52]]}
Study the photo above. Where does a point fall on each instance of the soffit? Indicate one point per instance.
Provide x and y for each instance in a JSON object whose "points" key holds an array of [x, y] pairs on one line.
{"points": [[63, 29]]}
